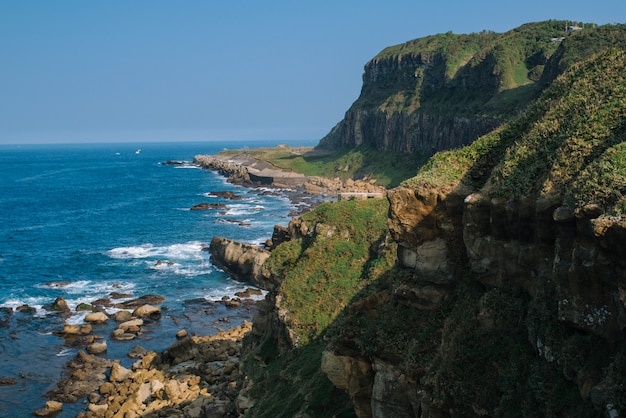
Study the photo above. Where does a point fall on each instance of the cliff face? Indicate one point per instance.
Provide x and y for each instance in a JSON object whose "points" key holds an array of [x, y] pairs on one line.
{"points": [[508, 297], [442, 92], [516, 301]]}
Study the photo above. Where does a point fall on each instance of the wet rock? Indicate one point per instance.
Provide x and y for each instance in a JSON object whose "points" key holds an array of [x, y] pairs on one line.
{"points": [[147, 311], [84, 307], [226, 195], [7, 381], [52, 408], [208, 206], [83, 375], [97, 347], [181, 334], [123, 316], [118, 295], [60, 305], [137, 351], [143, 300], [96, 317], [26, 309]]}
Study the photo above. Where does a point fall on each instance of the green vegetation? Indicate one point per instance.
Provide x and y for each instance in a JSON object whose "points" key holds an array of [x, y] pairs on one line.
{"points": [[321, 274], [568, 143], [294, 384], [481, 74], [483, 350]]}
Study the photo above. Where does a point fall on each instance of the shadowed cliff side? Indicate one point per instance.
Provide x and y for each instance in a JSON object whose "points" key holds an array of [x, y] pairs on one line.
{"points": [[508, 295]]}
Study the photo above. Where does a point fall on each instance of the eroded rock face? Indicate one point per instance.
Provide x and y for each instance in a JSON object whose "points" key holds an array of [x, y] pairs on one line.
{"points": [[427, 224], [354, 375], [543, 246], [244, 262]]}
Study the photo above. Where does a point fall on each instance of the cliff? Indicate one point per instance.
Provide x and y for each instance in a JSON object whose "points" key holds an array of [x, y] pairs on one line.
{"points": [[507, 293], [515, 246], [444, 91]]}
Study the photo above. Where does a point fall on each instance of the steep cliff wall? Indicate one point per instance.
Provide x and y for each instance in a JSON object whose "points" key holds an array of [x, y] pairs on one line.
{"points": [[508, 297], [515, 302], [443, 92]]}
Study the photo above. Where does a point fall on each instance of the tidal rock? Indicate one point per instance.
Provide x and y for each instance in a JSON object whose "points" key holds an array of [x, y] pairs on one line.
{"points": [[96, 317], [59, 305], [137, 351], [52, 408], [140, 301], [26, 309], [131, 326], [7, 381], [119, 373], [181, 334], [147, 311], [208, 206], [226, 195], [84, 307], [97, 348], [123, 316]]}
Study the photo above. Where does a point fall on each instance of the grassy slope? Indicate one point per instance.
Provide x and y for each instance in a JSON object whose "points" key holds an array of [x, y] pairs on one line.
{"points": [[321, 275], [568, 143]]}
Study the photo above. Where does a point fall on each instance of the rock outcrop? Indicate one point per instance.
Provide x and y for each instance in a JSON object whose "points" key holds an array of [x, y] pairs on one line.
{"points": [[244, 262]]}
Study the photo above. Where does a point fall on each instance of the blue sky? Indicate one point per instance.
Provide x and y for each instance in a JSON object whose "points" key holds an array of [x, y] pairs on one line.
{"points": [[188, 70]]}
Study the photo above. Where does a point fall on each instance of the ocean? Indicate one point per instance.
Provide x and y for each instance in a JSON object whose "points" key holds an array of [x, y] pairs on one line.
{"points": [[82, 221]]}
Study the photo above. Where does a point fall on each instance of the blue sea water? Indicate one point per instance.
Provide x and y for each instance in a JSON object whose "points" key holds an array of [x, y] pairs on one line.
{"points": [[82, 221]]}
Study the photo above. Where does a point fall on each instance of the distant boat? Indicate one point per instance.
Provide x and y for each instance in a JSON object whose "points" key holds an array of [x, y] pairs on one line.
{"points": [[138, 151]]}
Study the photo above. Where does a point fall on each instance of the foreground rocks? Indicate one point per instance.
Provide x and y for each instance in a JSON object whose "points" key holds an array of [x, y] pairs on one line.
{"points": [[195, 377]]}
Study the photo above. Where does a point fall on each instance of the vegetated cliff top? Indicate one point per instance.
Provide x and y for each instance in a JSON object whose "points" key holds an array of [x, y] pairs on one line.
{"points": [[480, 76], [485, 73], [569, 145]]}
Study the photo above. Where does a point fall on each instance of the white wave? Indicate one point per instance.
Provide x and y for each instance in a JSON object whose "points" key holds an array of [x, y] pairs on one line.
{"points": [[65, 352], [216, 295], [186, 166], [184, 251]]}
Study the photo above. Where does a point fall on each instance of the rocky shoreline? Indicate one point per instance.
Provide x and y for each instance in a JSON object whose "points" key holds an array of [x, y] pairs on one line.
{"points": [[249, 171], [196, 376]]}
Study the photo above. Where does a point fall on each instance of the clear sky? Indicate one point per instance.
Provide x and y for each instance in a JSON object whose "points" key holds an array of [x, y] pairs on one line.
{"points": [[191, 70]]}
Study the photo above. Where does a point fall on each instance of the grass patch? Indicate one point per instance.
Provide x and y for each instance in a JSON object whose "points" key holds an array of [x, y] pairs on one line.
{"points": [[324, 271]]}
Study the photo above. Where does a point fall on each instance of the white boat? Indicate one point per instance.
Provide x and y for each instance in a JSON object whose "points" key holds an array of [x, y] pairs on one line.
{"points": [[138, 151]]}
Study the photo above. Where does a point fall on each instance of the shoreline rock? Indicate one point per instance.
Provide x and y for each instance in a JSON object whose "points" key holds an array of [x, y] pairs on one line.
{"points": [[194, 377]]}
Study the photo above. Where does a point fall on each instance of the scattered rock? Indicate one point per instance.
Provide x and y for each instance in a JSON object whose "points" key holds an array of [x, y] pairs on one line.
{"points": [[118, 295], [97, 347], [147, 311], [52, 407], [226, 195], [208, 206], [143, 300], [84, 307], [181, 334], [26, 309], [7, 381], [123, 316], [96, 317], [137, 351], [60, 305]]}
